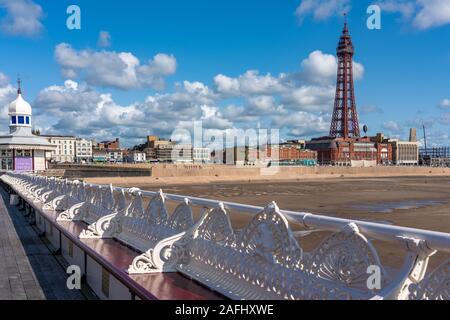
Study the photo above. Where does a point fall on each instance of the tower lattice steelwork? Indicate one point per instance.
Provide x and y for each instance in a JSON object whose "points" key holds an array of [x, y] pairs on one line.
{"points": [[344, 123]]}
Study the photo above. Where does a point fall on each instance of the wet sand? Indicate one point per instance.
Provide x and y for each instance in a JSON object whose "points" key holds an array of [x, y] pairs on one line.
{"points": [[417, 202]]}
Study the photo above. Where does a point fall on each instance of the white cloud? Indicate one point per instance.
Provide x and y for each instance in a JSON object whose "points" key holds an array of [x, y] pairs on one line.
{"points": [[322, 9], [405, 8], [432, 13], [7, 95], [437, 138], [310, 98], [23, 18], [300, 106], [104, 39], [321, 68], [78, 109], [445, 118], [370, 109], [302, 123], [262, 104], [250, 83], [310, 89], [392, 126], [198, 89], [423, 14], [62, 100], [297, 103], [445, 104], [3, 79], [212, 118], [227, 85], [111, 69]]}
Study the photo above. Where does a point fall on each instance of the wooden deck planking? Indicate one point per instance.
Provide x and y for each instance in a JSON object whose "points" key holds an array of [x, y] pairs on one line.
{"points": [[28, 271]]}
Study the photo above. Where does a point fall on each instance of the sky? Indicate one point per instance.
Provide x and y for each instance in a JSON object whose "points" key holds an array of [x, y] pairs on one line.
{"points": [[137, 68]]}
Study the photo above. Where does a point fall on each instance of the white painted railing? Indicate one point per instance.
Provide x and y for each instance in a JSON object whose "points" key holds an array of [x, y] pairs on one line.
{"points": [[264, 260]]}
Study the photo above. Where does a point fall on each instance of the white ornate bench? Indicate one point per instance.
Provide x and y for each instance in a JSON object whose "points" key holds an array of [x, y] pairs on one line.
{"points": [[98, 202], [47, 192], [435, 286], [264, 261], [145, 229], [74, 194]]}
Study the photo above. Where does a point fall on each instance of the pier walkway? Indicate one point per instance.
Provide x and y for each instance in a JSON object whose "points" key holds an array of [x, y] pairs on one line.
{"points": [[28, 270]]}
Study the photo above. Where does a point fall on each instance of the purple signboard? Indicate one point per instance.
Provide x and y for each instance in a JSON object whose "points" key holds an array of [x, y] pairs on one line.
{"points": [[23, 164]]}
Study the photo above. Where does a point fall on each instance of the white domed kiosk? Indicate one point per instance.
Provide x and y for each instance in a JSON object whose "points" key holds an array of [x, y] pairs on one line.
{"points": [[21, 150], [19, 112]]}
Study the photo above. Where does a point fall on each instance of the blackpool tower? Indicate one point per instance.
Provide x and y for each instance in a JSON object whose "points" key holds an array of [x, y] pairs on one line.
{"points": [[344, 123]]}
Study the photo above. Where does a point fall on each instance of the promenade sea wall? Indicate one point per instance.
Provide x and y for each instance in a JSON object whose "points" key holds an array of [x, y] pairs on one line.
{"points": [[90, 171], [232, 172]]}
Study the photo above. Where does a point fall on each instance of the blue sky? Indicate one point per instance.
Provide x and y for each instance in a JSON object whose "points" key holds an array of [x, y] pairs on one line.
{"points": [[232, 64]]}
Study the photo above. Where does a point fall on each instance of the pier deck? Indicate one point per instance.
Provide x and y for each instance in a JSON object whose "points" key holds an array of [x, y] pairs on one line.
{"points": [[28, 270]]}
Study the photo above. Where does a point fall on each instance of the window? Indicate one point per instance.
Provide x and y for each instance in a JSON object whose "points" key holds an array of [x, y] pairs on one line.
{"points": [[27, 120], [6, 164], [21, 119], [6, 153]]}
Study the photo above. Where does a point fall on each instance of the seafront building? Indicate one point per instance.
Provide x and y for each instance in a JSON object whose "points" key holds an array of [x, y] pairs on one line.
{"points": [[136, 156], [83, 150], [166, 151], [151, 147], [21, 150], [174, 153], [291, 153], [114, 155], [65, 148], [405, 153], [107, 151], [70, 149], [435, 156], [99, 156], [201, 155], [114, 144]]}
